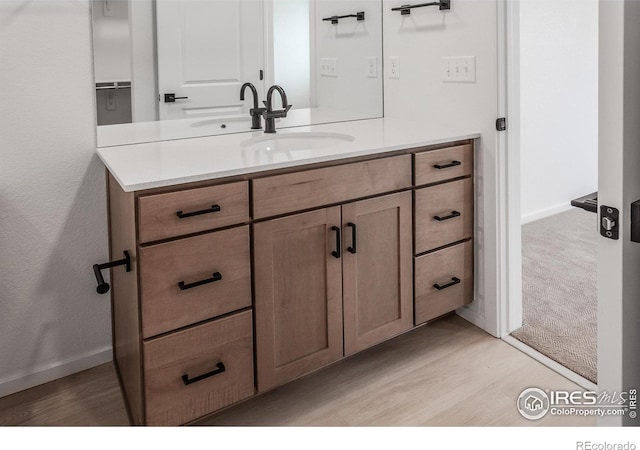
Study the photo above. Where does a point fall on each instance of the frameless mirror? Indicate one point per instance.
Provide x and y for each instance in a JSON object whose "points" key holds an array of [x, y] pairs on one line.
{"points": [[171, 69]]}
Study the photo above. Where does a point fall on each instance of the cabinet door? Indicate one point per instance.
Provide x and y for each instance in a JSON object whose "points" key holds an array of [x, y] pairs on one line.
{"points": [[377, 270], [298, 300]]}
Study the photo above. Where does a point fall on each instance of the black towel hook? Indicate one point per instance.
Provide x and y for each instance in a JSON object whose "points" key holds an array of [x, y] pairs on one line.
{"points": [[103, 287]]}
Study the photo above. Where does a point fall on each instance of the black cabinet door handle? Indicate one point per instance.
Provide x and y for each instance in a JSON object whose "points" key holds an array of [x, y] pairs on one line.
{"points": [[446, 166], [187, 381], [216, 277], [213, 209], [337, 252], [451, 216], [454, 281], [352, 249]]}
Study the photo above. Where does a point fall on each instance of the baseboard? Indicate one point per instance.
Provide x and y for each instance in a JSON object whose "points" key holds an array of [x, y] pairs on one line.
{"points": [[542, 213], [551, 364], [59, 369], [471, 316]]}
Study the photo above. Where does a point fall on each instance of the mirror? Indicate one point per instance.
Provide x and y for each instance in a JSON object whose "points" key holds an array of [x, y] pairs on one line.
{"points": [[172, 69]]}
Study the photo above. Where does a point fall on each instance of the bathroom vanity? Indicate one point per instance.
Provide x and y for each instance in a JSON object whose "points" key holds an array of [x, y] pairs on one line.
{"points": [[254, 264]]}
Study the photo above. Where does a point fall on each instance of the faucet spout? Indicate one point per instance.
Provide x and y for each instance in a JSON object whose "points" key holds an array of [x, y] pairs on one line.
{"points": [[256, 111], [269, 114]]}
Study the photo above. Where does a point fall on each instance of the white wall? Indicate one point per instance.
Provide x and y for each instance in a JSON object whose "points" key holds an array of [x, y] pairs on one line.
{"points": [[291, 57], [111, 41], [53, 221], [351, 43], [559, 104], [421, 40]]}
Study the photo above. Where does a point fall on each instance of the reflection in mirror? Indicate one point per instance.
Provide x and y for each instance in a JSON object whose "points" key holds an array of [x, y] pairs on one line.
{"points": [[171, 69]]}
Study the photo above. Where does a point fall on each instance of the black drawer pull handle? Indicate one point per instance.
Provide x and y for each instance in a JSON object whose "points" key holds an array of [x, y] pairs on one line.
{"points": [[352, 249], [337, 252], [214, 208], [446, 166], [216, 277], [454, 281], [187, 381], [453, 215]]}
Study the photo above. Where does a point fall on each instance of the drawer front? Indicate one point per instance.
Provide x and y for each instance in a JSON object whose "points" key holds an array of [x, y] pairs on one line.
{"points": [[443, 214], [443, 164], [166, 306], [196, 356], [297, 191], [443, 268], [200, 210]]}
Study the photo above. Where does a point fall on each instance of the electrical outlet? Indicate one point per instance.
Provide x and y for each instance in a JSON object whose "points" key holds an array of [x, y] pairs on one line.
{"points": [[372, 67], [459, 69], [394, 67], [328, 67]]}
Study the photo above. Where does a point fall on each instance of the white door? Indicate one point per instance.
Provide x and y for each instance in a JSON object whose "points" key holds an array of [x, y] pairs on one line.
{"points": [[618, 187], [206, 50]]}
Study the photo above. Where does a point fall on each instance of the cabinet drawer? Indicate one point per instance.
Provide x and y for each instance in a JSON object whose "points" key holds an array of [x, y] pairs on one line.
{"points": [[214, 207], [297, 191], [443, 214], [165, 306], [443, 268], [177, 388], [443, 164]]}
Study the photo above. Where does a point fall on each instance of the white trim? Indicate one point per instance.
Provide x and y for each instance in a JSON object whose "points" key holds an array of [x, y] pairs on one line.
{"points": [[547, 212], [506, 315], [471, 316], [53, 371], [551, 364]]}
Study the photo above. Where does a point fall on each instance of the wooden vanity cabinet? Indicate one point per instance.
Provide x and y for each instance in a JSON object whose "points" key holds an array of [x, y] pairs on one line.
{"points": [[377, 270], [298, 296], [279, 274], [344, 270], [443, 229]]}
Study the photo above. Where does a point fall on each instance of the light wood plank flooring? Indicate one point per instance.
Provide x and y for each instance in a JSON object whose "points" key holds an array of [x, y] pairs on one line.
{"points": [[448, 373]]}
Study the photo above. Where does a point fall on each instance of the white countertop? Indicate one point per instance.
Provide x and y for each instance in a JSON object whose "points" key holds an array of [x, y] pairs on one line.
{"points": [[157, 164]]}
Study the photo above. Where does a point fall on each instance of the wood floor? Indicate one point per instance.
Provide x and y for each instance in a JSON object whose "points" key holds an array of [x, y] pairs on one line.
{"points": [[443, 374]]}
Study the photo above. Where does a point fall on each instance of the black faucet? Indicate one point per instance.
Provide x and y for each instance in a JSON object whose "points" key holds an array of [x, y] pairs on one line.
{"points": [[255, 112], [269, 114]]}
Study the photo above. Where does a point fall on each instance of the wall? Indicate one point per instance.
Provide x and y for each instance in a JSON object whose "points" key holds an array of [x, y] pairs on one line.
{"points": [[111, 41], [421, 40], [559, 104], [291, 63], [53, 221], [352, 89]]}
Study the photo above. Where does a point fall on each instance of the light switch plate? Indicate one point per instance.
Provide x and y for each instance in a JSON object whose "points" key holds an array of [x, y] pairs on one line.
{"points": [[372, 67], [459, 69], [394, 67], [328, 67]]}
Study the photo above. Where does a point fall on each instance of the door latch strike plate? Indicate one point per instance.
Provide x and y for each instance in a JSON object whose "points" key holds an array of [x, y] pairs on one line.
{"points": [[609, 222]]}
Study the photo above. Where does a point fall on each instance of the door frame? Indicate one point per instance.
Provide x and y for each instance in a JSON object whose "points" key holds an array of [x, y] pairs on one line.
{"points": [[507, 314]]}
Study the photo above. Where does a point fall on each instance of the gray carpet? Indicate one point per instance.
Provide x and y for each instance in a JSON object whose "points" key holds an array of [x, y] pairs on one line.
{"points": [[559, 298]]}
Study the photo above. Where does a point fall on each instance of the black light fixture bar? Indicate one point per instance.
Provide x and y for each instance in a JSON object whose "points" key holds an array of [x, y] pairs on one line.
{"points": [[406, 9], [334, 19]]}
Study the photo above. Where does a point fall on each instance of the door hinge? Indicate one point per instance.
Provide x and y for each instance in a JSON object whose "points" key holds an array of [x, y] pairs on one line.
{"points": [[501, 124]]}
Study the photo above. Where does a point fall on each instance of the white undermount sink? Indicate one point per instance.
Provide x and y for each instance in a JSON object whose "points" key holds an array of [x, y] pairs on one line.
{"points": [[296, 141]]}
